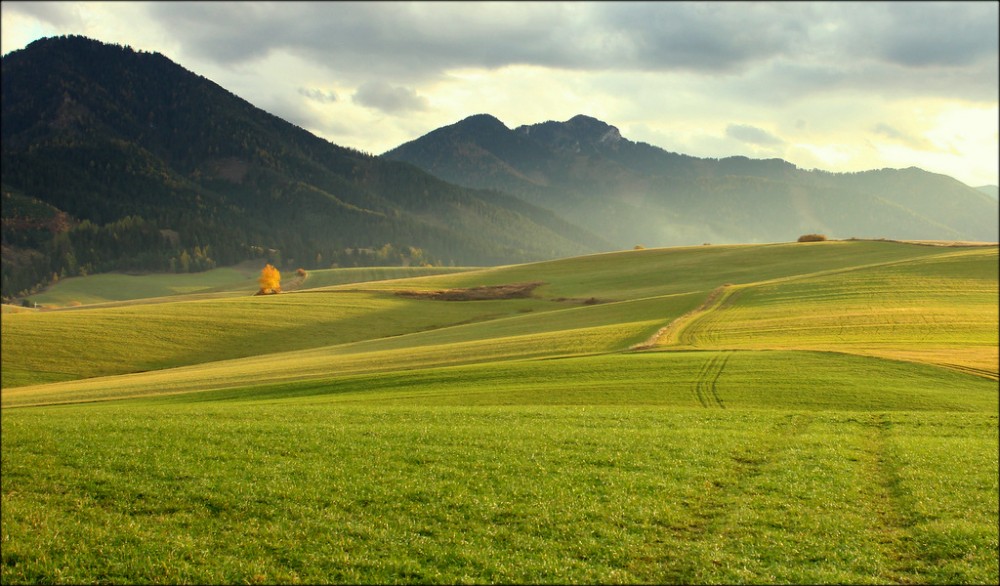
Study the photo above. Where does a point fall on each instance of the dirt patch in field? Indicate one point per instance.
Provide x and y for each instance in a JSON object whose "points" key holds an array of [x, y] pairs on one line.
{"points": [[584, 301], [482, 293]]}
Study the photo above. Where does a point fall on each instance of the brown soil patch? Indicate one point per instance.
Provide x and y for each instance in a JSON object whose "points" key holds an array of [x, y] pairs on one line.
{"points": [[584, 301], [482, 293]]}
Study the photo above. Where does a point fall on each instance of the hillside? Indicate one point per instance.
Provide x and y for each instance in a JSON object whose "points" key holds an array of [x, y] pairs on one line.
{"points": [[932, 305], [118, 159], [636, 193], [990, 190], [665, 416]]}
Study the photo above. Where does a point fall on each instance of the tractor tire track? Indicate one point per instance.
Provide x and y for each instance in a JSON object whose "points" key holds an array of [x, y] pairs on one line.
{"points": [[674, 328], [711, 519], [706, 388], [893, 530]]}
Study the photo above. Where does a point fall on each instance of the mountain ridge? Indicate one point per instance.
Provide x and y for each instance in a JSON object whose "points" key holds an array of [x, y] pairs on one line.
{"points": [[152, 167], [585, 170]]}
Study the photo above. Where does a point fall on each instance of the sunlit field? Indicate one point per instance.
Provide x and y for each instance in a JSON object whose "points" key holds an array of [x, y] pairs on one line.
{"points": [[941, 309], [787, 413]]}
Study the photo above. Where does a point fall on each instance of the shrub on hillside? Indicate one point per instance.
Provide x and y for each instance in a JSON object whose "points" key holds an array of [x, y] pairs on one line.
{"points": [[812, 238]]}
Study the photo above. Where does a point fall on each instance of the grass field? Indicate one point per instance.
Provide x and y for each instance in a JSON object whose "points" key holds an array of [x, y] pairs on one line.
{"points": [[108, 288], [789, 413]]}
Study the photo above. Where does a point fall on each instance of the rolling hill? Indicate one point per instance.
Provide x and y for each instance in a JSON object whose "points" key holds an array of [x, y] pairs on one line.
{"points": [[115, 159], [926, 304], [818, 412], [636, 193]]}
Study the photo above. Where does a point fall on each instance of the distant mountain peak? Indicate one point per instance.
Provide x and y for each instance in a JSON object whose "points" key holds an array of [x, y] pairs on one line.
{"points": [[587, 123], [579, 134], [485, 121]]}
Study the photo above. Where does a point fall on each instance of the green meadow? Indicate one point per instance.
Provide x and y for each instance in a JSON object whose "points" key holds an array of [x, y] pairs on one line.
{"points": [[784, 413], [108, 288]]}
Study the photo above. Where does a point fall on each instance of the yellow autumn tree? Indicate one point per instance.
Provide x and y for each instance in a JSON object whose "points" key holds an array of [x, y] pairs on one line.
{"points": [[270, 281]]}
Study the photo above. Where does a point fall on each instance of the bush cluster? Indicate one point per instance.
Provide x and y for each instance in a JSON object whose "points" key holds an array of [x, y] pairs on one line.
{"points": [[812, 238]]}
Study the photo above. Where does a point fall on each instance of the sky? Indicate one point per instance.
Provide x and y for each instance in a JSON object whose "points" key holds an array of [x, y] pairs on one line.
{"points": [[838, 86]]}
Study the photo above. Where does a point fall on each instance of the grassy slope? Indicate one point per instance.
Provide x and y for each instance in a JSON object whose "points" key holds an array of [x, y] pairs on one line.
{"points": [[528, 445], [941, 310], [144, 337], [122, 287], [350, 332], [111, 287]]}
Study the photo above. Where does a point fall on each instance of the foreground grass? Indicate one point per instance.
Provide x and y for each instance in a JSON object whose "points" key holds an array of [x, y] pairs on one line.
{"points": [[257, 492]]}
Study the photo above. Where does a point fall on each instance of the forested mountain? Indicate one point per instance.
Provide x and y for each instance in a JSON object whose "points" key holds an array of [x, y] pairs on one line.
{"points": [[114, 159], [635, 193]]}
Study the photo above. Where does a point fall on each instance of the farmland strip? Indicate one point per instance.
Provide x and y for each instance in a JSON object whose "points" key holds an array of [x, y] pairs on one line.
{"points": [[969, 370], [672, 329]]}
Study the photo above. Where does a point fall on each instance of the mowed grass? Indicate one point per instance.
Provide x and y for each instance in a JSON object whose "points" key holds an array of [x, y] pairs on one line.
{"points": [[637, 274], [942, 310], [247, 492], [365, 437], [59, 346], [780, 380], [68, 345], [331, 277], [108, 287], [569, 331]]}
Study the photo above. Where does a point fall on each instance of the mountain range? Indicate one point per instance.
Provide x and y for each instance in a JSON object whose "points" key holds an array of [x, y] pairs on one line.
{"points": [[632, 192], [116, 159]]}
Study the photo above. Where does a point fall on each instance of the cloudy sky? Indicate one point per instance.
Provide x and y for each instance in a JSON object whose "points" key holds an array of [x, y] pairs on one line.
{"points": [[839, 86]]}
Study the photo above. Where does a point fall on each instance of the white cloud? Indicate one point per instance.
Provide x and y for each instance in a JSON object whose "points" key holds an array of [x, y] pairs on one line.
{"points": [[912, 141], [318, 94], [752, 135], [389, 98]]}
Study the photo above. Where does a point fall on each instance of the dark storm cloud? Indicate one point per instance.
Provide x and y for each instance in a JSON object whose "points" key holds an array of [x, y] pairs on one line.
{"points": [[408, 40], [49, 12], [939, 48], [850, 44], [922, 34], [699, 36], [426, 38]]}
